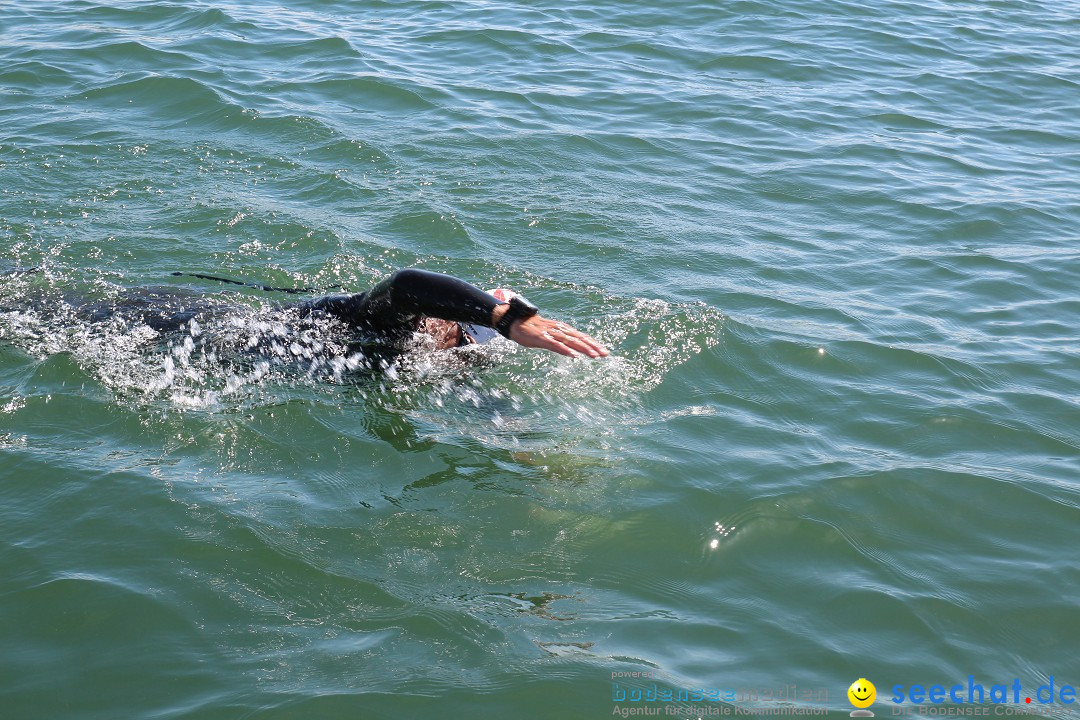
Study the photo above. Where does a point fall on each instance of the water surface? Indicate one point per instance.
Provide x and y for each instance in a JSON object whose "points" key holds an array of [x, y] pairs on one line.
{"points": [[832, 245]]}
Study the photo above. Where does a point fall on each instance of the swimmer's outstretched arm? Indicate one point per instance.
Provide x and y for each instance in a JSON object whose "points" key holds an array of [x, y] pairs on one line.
{"points": [[420, 292], [397, 303], [448, 298]]}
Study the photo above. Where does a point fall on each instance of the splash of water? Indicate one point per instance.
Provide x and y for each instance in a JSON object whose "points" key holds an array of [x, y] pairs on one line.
{"points": [[237, 355]]}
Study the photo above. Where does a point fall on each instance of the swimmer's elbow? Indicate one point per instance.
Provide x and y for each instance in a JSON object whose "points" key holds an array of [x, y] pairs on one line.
{"points": [[412, 287], [409, 278]]}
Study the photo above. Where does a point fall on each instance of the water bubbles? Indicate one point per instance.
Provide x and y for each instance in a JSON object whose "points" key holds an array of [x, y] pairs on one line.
{"points": [[13, 405], [220, 354]]}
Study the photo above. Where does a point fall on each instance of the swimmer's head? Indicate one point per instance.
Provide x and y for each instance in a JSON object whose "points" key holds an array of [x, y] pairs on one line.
{"points": [[449, 334], [445, 333]]}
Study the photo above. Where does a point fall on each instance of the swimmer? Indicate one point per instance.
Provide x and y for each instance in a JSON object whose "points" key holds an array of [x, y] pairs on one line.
{"points": [[452, 311]]}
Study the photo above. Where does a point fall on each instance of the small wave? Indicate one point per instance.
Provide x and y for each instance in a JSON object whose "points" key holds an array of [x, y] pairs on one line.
{"points": [[32, 76], [168, 96], [162, 18], [372, 92]]}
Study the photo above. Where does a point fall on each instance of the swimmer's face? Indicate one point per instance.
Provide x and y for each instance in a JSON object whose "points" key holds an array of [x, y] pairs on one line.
{"points": [[446, 333], [862, 693]]}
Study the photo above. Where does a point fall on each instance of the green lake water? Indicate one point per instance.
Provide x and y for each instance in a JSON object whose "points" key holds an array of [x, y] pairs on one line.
{"points": [[833, 246]]}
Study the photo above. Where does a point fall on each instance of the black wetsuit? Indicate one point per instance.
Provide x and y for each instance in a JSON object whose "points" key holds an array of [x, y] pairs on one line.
{"points": [[391, 310], [395, 306]]}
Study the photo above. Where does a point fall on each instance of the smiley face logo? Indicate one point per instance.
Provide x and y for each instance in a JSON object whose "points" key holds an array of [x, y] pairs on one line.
{"points": [[862, 693]]}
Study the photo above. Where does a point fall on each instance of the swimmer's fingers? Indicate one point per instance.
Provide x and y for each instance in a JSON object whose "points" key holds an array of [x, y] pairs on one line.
{"points": [[579, 341], [539, 332]]}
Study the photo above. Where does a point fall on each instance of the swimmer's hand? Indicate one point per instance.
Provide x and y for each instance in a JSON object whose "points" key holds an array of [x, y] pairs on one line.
{"points": [[539, 332]]}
